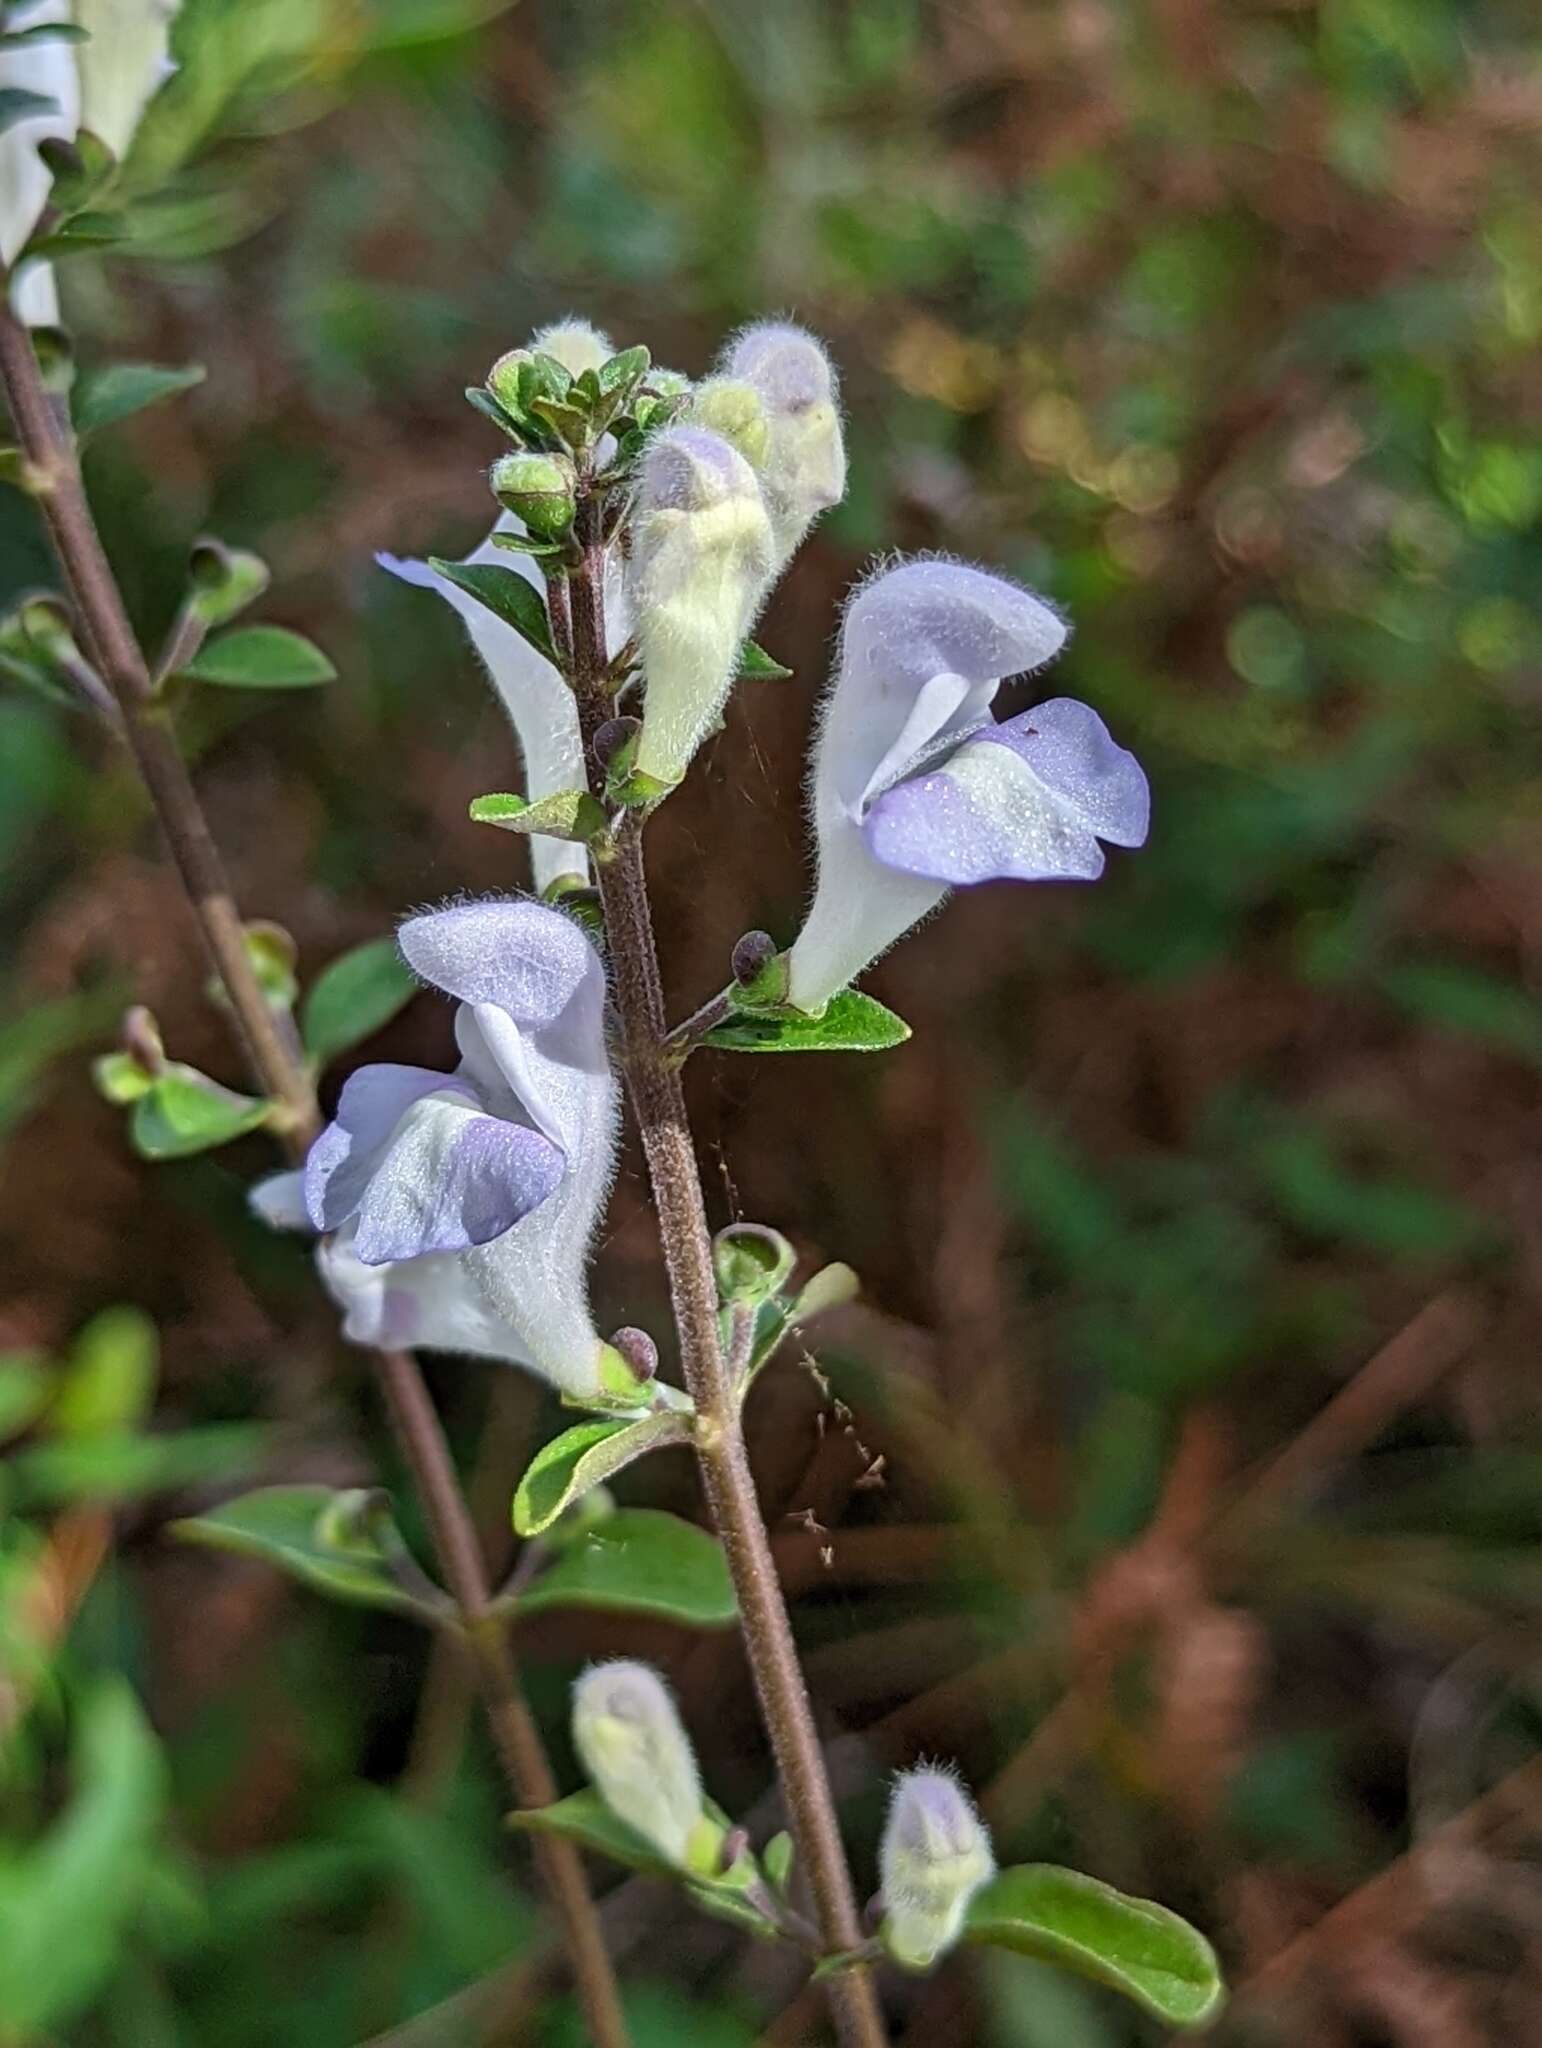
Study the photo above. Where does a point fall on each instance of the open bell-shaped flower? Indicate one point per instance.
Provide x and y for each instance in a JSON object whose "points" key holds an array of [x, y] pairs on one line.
{"points": [[803, 467], [458, 1208], [934, 1857], [917, 790], [629, 1736], [701, 565]]}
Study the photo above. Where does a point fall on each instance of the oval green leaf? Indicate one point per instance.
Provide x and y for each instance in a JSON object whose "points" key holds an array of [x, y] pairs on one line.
{"points": [[584, 1456], [585, 1820], [640, 1561], [102, 398], [507, 595], [353, 998], [1083, 1925], [260, 658], [183, 1112], [852, 1022], [345, 1545]]}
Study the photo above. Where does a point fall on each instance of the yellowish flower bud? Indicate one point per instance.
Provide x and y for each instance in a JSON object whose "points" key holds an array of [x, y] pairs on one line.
{"points": [[701, 564], [627, 1731], [735, 411], [803, 471], [574, 344], [935, 1856]]}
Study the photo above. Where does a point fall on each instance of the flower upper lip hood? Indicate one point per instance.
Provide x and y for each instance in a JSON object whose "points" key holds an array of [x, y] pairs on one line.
{"points": [[463, 1204], [916, 789]]}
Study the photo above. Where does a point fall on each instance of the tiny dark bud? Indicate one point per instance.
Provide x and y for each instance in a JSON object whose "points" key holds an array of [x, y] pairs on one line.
{"points": [[612, 736], [735, 1844], [639, 1351], [872, 1914], [751, 954]]}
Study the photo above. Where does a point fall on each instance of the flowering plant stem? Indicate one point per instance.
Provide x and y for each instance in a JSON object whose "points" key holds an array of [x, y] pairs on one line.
{"points": [[653, 1079], [54, 479]]}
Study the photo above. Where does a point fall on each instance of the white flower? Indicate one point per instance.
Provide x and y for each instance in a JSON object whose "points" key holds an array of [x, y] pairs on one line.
{"points": [[701, 565]]}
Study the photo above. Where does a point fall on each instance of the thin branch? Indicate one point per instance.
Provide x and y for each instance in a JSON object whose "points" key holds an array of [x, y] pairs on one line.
{"points": [[654, 1082], [105, 629]]}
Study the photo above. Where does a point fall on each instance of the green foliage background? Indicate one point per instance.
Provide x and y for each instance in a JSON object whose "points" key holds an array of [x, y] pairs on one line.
{"points": [[1218, 321]]}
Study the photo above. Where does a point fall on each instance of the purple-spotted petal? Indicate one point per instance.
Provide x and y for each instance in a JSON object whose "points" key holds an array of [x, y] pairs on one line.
{"points": [[1026, 801], [1070, 750], [339, 1165], [453, 1179]]}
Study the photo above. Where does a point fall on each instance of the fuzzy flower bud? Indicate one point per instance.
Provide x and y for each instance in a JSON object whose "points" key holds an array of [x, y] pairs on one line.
{"points": [[574, 344], [627, 1730], [803, 469], [539, 489], [935, 1856], [701, 563], [735, 411]]}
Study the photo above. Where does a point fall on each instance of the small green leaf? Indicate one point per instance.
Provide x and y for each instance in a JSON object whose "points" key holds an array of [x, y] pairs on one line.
{"points": [[353, 998], [756, 666], [78, 235], [183, 1112], [639, 1561], [260, 658], [522, 544], [490, 409], [565, 814], [507, 595], [17, 104], [80, 166], [224, 581], [621, 372], [851, 1023], [104, 397], [584, 1819], [584, 1456], [346, 1545], [109, 1381], [1083, 1925], [776, 1859], [118, 1077], [569, 423], [25, 1387]]}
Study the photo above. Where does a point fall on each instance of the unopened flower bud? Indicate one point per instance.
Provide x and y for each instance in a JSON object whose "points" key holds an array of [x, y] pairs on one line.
{"points": [[574, 344], [803, 472], [637, 1360], [750, 955], [935, 1856], [612, 741], [751, 1262], [627, 1731], [735, 411], [539, 489], [701, 563]]}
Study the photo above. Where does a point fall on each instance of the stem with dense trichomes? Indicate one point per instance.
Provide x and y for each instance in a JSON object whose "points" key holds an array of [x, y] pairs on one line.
{"points": [[652, 1072], [54, 480]]}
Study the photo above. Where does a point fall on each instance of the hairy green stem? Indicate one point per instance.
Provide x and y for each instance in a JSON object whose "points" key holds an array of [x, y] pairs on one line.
{"points": [[55, 481], [658, 1100]]}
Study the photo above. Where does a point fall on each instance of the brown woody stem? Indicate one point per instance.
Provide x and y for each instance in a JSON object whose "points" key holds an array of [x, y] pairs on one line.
{"points": [[55, 481]]}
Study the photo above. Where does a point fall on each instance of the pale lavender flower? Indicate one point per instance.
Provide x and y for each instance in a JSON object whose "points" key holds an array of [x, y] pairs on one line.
{"points": [[916, 790], [458, 1208]]}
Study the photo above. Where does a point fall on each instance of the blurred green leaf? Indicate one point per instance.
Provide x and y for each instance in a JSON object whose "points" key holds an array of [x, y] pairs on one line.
{"points": [[67, 1901], [1067, 1918], [260, 658], [25, 1388], [119, 1466], [346, 1545], [585, 1456], [108, 1381], [17, 104], [103, 397], [851, 1023], [639, 1561], [43, 32], [585, 1820], [353, 998]]}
